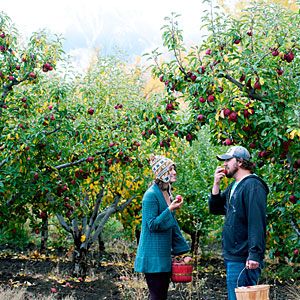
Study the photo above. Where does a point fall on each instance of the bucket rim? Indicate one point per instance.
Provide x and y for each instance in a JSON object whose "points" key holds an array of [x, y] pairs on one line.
{"points": [[252, 288]]}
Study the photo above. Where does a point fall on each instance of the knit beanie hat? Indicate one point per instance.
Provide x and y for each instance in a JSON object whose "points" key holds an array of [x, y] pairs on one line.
{"points": [[161, 166]]}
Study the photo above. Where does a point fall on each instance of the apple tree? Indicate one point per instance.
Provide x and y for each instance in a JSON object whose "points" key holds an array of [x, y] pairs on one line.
{"points": [[22, 69], [69, 142], [241, 80]]}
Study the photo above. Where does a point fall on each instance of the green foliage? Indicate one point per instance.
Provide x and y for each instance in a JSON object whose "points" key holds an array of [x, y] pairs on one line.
{"points": [[69, 142], [242, 81], [195, 168], [16, 237]]}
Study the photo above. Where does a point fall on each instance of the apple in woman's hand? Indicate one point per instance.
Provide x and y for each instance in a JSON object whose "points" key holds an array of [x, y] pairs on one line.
{"points": [[178, 198]]}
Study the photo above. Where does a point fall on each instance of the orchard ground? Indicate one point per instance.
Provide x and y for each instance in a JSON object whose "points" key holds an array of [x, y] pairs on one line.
{"points": [[36, 276]]}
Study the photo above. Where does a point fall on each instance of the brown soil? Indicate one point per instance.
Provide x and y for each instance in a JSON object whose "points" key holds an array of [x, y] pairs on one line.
{"points": [[39, 276]]}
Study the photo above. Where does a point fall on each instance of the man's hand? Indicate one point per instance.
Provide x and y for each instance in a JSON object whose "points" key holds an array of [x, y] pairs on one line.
{"points": [[219, 174], [251, 264]]}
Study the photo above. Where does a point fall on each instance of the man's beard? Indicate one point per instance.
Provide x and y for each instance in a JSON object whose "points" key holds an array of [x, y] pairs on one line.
{"points": [[231, 173]]}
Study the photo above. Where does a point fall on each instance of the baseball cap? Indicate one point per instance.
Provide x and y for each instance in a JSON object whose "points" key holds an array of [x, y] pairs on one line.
{"points": [[235, 151]]}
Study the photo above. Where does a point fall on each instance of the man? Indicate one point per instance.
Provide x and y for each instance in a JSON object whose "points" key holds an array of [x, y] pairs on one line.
{"points": [[244, 204]]}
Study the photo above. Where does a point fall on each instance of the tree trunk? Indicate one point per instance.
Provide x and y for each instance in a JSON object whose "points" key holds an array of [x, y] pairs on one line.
{"points": [[80, 263], [101, 245], [195, 235], [44, 235]]}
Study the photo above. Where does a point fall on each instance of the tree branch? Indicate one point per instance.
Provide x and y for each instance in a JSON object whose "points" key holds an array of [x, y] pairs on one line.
{"points": [[63, 223], [251, 92], [295, 227]]}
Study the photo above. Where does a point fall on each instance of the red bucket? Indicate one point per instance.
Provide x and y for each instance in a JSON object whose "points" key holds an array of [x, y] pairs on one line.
{"points": [[181, 272]]}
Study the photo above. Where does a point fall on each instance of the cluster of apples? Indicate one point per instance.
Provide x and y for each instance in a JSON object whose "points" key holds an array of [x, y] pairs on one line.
{"points": [[187, 260]]}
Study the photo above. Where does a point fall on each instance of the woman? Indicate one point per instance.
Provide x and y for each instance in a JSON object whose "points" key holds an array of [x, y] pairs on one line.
{"points": [[160, 236]]}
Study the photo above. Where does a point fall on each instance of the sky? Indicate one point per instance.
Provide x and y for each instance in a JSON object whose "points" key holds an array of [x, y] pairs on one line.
{"points": [[131, 25]]}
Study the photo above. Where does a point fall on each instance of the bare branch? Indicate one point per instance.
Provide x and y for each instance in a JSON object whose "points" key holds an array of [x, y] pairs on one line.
{"points": [[74, 163], [53, 131], [63, 223], [105, 216], [251, 92], [3, 162], [295, 227], [77, 162]]}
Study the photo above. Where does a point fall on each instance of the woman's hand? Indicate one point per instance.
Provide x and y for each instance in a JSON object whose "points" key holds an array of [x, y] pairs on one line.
{"points": [[176, 203]]}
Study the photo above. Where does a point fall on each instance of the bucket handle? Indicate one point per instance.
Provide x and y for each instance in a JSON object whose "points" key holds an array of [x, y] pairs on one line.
{"points": [[237, 282]]}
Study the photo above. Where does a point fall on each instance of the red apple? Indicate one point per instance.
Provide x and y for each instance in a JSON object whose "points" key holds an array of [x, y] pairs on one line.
{"points": [[202, 100], [189, 137], [252, 145], [32, 75], [90, 159], [187, 260], [227, 112], [211, 98], [289, 56], [200, 117], [242, 78], [233, 116], [293, 199], [169, 106], [178, 198], [91, 111], [279, 72], [246, 113], [257, 84], [193, 77], [228, 142]]}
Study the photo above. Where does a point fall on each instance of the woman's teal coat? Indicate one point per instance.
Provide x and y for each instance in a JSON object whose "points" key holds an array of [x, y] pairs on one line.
{"points": [[160, 236]]}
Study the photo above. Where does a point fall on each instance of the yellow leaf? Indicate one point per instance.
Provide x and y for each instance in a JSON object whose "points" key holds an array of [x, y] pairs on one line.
{"points": [[83, 238], [222, 114], [294, 132]]}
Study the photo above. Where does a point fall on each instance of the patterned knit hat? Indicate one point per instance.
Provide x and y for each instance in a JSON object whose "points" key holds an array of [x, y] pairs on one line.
{"points": [[161, 166]]}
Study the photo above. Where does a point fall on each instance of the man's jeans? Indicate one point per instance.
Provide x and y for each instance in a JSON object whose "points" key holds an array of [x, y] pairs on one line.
{"points": [[234, 273]]}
